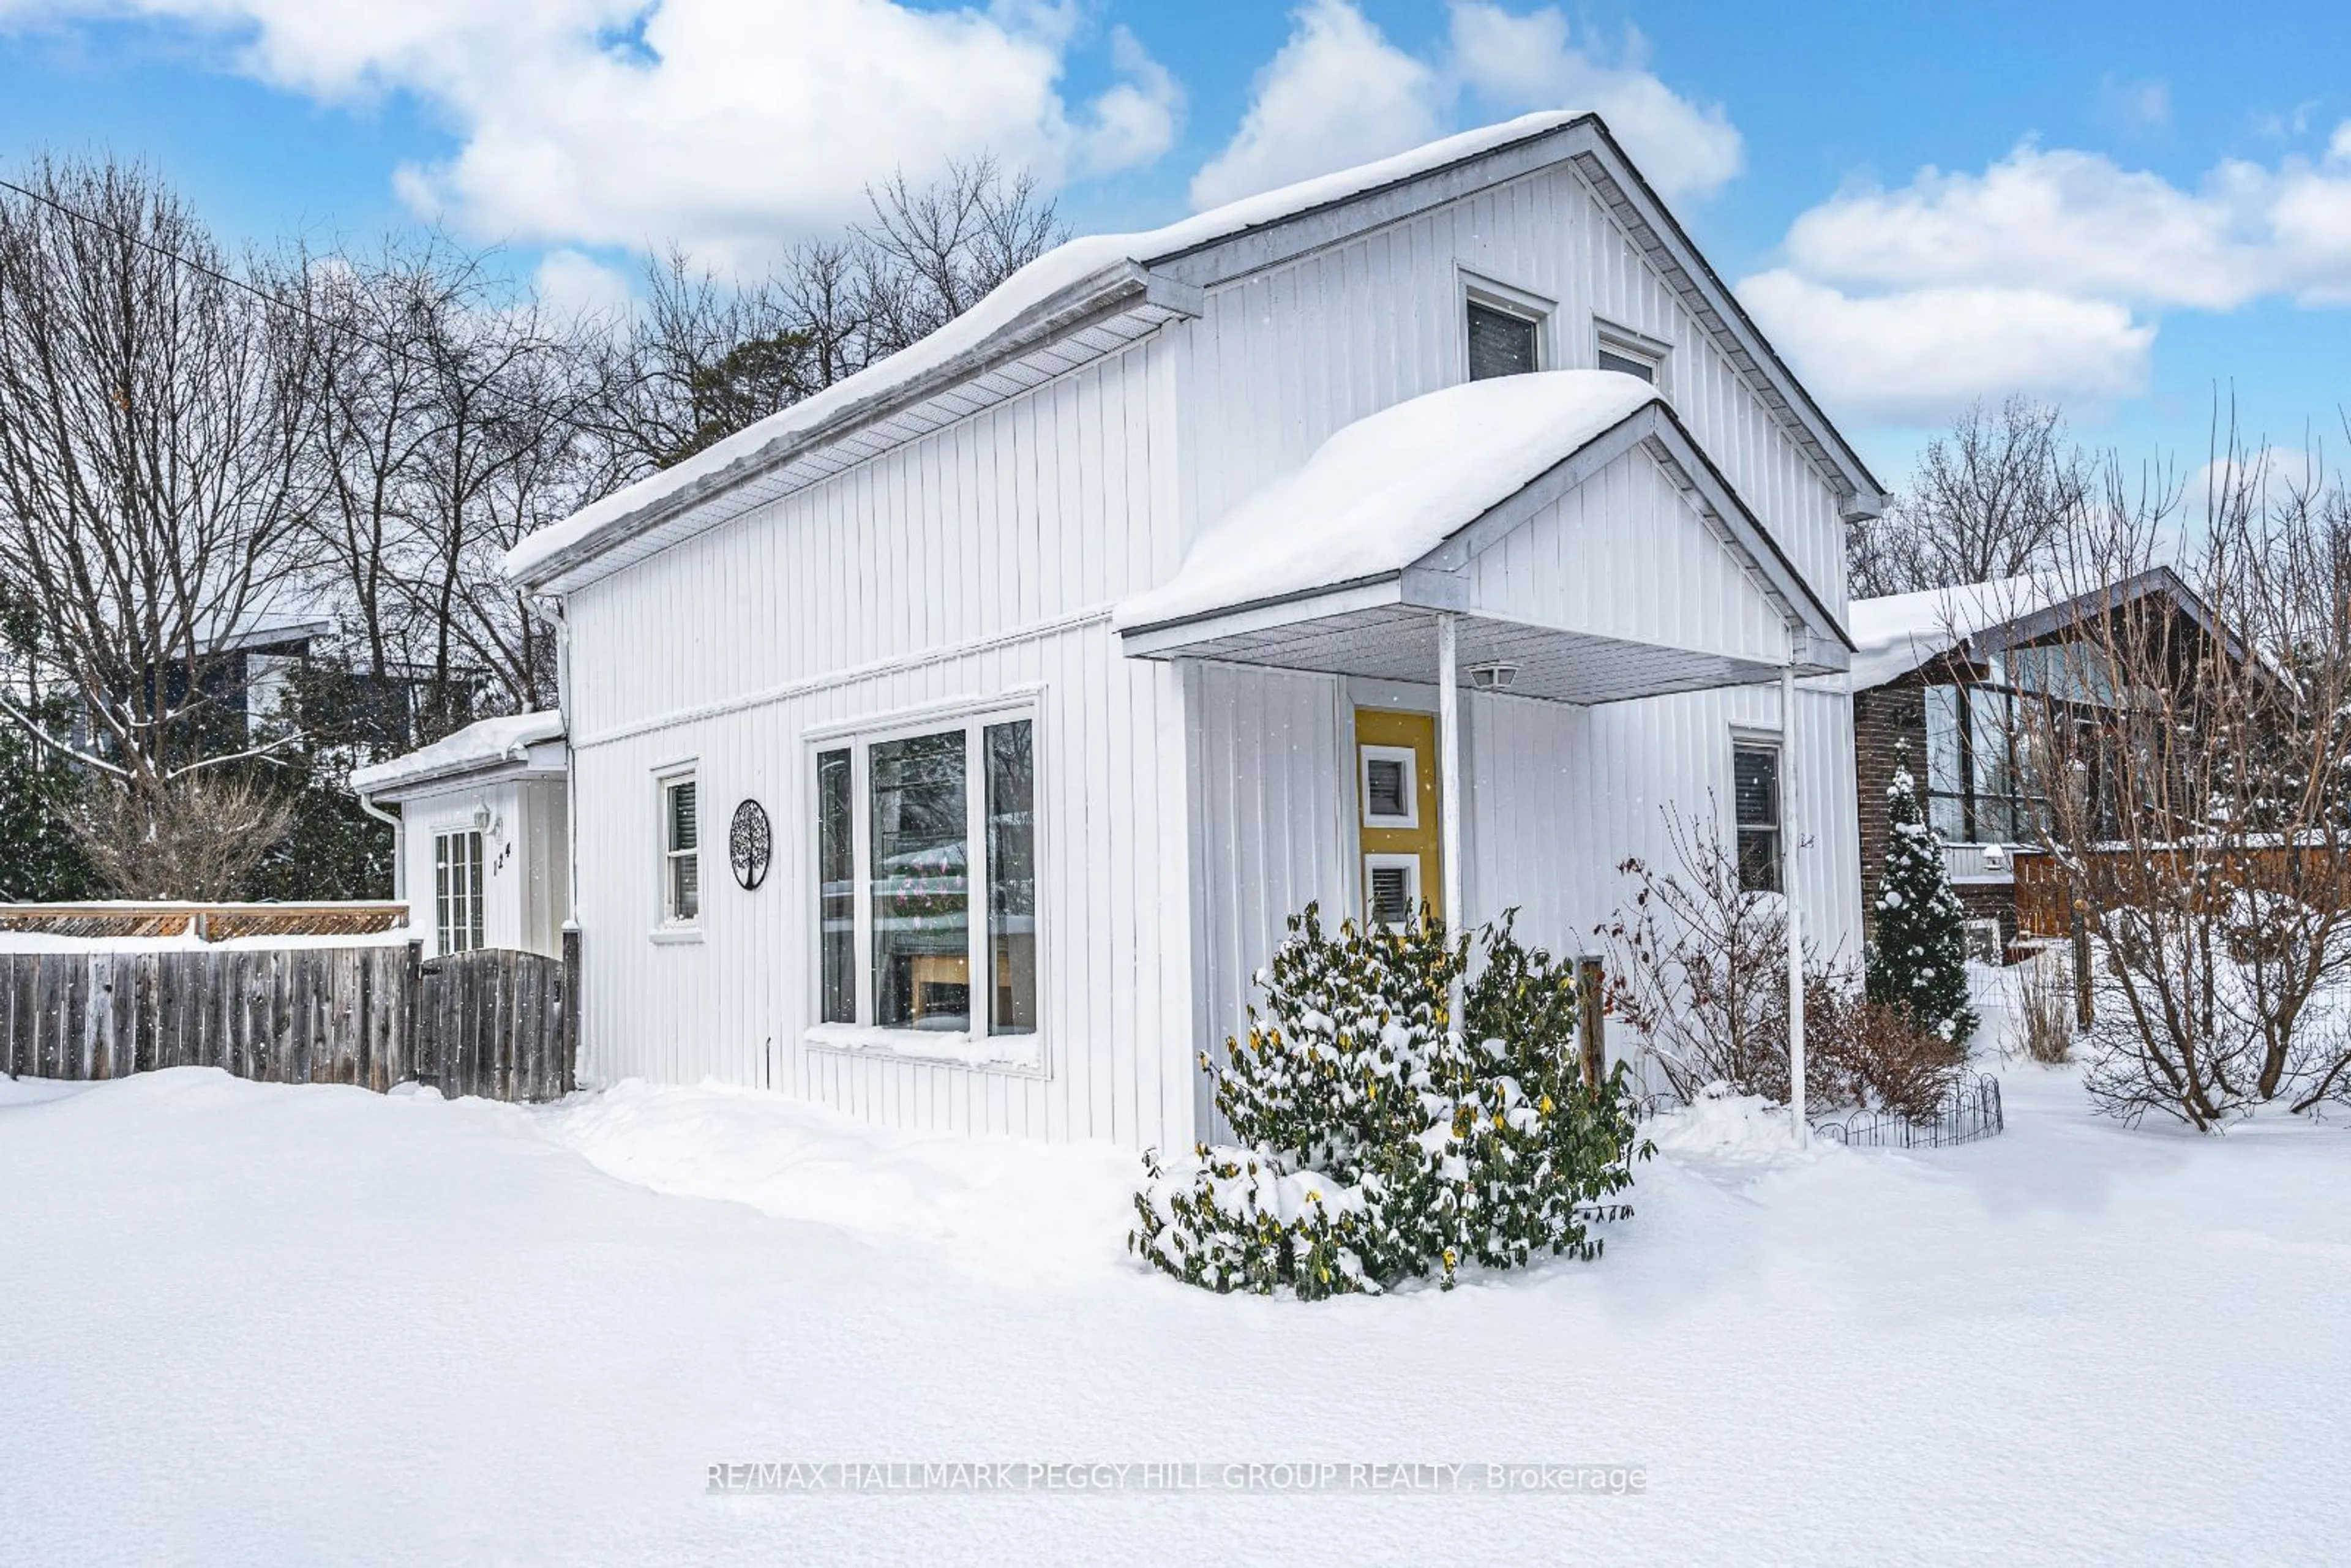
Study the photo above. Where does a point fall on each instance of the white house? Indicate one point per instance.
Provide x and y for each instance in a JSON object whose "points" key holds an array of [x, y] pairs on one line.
{"points": [[1427, 530], [480, 847]]}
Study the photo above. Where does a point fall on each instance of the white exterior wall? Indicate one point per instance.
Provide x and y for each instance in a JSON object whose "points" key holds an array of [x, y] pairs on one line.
{"points": [[1623, 555], [526, 857], [978, 561], [1558, 797], [1283, 358]]}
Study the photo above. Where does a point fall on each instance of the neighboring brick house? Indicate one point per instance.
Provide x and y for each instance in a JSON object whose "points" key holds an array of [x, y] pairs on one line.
{"points": [[1934, 678]]}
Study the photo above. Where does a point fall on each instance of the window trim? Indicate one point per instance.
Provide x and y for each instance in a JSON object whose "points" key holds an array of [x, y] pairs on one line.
{"points": [[668, 925], [974, 1046], [1366, 755], [1772, 743], [1610, 338], [478, 899], [1474, 288]]}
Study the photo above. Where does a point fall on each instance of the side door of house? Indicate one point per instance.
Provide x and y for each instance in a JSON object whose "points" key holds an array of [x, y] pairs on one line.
{"points": [[1396, 799]]}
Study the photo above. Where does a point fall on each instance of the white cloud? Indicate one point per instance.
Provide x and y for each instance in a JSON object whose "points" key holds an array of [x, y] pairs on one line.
{"points": [[728, 124], [1912, 356], [2079, 222], [570, 282], [1530, 61], [2046, 272], [1339, 93], [2138, 105]]}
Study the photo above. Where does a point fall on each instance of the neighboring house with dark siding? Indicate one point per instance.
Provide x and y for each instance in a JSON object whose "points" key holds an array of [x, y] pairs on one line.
{"points": [[1936, 678]]}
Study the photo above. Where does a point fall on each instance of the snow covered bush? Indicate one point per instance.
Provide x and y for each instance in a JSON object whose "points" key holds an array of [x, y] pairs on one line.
{"points": [[1698, 969], [1919, 962], [1376, 1142]]}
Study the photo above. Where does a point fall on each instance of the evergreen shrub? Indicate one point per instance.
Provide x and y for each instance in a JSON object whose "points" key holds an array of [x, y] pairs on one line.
{"points": [[1375, 1141]]}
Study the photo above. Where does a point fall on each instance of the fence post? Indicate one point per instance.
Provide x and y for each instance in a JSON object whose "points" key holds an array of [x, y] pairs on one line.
{"points": [[2084, 1011], [1591, 1024], [570, 1079], [412, 1010]]}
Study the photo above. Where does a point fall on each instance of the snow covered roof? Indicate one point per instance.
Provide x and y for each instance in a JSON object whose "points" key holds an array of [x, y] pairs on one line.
{"points": [[484, 744], [1896, 634], [1059, 287], [1386, 490]]}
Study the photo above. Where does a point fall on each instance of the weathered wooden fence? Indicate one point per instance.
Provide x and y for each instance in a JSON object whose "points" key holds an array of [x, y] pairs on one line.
{"points": [[494, 1022]]}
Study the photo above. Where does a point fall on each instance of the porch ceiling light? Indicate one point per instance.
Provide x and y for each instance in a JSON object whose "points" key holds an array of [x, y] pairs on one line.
{"points": [[1493, 675]]}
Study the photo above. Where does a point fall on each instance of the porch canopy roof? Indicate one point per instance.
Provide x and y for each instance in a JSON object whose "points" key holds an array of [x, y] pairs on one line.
{"points": [[1467, 501]]}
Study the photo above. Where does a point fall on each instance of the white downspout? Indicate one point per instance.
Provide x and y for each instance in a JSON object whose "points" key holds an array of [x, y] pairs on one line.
{"points": [[1788, 840], [1449, 786], [399, 846]]}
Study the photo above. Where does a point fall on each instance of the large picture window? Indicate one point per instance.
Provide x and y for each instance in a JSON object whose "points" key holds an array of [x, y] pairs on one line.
{"points": [[926, 878], [1983, 786], [457, 892]]}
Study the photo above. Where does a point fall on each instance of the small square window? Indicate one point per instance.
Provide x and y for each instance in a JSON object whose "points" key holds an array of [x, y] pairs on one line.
{"points": [[1391, 787], [1392, 888], [1501, 342], [1628, 353]]}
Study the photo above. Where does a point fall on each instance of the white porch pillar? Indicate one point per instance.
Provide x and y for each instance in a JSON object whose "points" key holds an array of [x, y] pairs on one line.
{"points": [[1449, 782], [1788, 840]]}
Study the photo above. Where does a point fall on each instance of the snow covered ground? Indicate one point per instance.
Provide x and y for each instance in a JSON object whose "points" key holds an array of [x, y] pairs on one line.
{"points": [[266, 1324]]}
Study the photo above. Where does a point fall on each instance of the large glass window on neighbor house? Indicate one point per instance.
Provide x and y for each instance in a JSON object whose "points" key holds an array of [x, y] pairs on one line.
{"points": [[1755, 796], [457, 892], [1983, 786], [939, 931]]}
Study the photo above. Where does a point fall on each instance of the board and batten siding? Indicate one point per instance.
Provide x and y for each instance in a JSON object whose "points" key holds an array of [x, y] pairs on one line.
{"points": [[1284, 357], [1558, 796], [975, 563], [1623, 555], [1045, 506]]}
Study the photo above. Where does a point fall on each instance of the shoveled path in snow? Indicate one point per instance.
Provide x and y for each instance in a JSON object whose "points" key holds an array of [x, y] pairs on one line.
{"points": [[270, 1324]]}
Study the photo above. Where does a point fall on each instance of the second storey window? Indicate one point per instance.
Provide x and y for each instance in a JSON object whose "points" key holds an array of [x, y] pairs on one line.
{"points": [[681, 851], [926, 878], [457, 892], [1755, 792], [1501, 342]]}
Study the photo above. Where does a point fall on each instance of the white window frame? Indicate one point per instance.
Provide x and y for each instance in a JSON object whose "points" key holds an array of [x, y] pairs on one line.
{"points": [[974, 1047], [1413, 893], [1366, 755], [669, 925], [1609, 338], [1765, 741], [1494, 294], [476, 894]]}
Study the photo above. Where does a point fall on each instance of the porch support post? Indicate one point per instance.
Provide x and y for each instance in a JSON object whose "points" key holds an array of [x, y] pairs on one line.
{"points": [[1448, 781], [1788, 838]]}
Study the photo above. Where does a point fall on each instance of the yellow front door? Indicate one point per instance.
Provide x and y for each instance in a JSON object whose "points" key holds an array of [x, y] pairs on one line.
{"points": [[1395, 808]]}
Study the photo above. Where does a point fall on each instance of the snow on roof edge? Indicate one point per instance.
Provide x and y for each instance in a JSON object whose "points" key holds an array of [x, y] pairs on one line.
{"points": [[484, 743], [1381, 493], [1060, 271]]}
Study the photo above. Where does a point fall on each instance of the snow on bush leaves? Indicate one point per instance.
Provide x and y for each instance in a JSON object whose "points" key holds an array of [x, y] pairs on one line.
{"points": [[1377, 1143]]}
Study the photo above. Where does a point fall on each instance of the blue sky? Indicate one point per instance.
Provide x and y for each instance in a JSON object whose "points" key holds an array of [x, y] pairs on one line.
{"points": [[2133, 205]]}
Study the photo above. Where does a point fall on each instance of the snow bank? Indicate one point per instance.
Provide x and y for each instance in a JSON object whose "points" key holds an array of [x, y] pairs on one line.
{"points": [[1384, 491], [484, 742], [1065, 270], [276, 1324], [1012, 1210]]}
